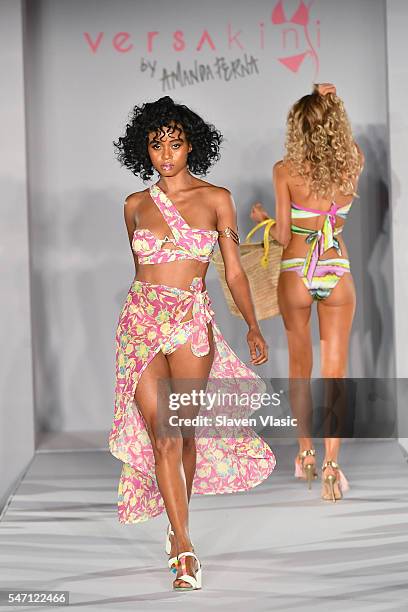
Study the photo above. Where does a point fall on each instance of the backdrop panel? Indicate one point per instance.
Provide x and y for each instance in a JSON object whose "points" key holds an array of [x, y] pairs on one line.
{"points": [[241, 65], [16, 384]]}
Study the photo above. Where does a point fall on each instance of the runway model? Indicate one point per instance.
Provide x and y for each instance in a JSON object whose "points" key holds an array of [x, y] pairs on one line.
{"points": [[314, 188], [166, 329]]}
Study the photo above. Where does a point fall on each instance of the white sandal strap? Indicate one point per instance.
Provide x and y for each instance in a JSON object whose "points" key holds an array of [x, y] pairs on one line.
{"points": [[172, 561], [169, 532], [186, 578], [194, 582], [189, 554]]}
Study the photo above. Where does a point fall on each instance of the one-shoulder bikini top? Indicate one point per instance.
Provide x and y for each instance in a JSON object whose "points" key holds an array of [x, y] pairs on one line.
{"points": [[319, 240], [191, 243]]}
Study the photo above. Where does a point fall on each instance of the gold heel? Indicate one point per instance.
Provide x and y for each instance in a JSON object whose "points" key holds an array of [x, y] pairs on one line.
{"points": [[307, 471], [331, 480], [310, 474], [331, 489]]}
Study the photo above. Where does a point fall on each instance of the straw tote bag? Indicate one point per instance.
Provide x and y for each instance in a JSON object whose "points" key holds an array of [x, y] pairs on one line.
{"points": [[261, 262]]}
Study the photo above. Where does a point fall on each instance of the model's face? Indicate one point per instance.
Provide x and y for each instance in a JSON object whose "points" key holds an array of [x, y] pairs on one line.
{"points": [[168, 150]]}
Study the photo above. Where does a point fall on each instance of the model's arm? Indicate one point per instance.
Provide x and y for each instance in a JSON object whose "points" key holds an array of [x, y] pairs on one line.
{"points": [[130, 220], [281, 231], [235, 276], [325, 88]]}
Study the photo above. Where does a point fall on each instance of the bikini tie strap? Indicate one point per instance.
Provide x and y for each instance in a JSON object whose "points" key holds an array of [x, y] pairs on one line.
{"points": [[320, 241], [202, 314]]}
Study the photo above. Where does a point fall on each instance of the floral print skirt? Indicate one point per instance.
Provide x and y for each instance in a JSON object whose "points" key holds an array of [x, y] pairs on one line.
{"points": [[150, 321]]}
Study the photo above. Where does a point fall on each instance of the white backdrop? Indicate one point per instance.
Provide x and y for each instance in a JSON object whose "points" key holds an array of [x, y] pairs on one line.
{"points": [[83, 69]]}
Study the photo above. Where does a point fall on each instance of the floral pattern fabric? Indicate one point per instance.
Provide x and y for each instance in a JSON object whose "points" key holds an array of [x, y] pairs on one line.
{"points": [[191, 243], [151, 321]]}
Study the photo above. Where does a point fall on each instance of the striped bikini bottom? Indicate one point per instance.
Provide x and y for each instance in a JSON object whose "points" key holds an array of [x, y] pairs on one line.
{"points": [[325, 277]]}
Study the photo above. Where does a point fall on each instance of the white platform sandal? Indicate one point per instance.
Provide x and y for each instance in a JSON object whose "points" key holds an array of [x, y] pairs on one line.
{"points": [[172, 562], [194, 582]]}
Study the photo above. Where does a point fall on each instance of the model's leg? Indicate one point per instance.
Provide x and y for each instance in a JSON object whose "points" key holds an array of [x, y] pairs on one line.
{"points": [[188, 373], [185, 366], [167, 449], [295, 305], [335, 320]]}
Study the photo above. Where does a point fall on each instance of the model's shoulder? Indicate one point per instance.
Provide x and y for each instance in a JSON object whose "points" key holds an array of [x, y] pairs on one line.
{"points": [[220, 194], [281, 169], [222, 200], [210, 188], [215, 195], [134, 199]]}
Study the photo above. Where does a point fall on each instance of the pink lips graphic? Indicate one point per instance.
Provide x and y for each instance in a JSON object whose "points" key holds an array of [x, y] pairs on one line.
{"points": [[167, 166]]}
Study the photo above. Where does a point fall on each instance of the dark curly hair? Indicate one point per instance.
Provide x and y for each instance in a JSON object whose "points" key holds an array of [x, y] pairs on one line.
{"points": [[204, 138]]}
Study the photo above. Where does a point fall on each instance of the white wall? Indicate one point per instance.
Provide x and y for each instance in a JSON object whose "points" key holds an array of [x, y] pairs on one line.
{"points": [[78, 103], [397, 53], [16, 392]]}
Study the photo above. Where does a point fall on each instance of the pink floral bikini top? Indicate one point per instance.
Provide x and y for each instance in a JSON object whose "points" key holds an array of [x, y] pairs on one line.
{"points": [[191, 243]]}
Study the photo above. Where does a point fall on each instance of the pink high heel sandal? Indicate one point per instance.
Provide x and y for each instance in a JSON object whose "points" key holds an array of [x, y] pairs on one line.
{"points": [[333, 486], [304, 470]]}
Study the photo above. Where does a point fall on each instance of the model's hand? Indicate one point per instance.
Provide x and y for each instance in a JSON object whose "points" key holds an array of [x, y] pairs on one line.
{"points": [[325, 88], [257, 347], [258, 213]]}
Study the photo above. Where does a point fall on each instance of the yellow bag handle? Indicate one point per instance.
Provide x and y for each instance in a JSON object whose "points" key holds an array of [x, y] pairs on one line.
{"points": [[267, 223]]}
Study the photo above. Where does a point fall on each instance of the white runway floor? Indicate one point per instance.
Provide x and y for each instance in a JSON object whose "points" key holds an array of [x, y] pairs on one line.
{"points": [[278, 547]]}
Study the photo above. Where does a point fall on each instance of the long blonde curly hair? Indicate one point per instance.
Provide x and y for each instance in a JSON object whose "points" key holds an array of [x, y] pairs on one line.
{"points": [[320, 145]]}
